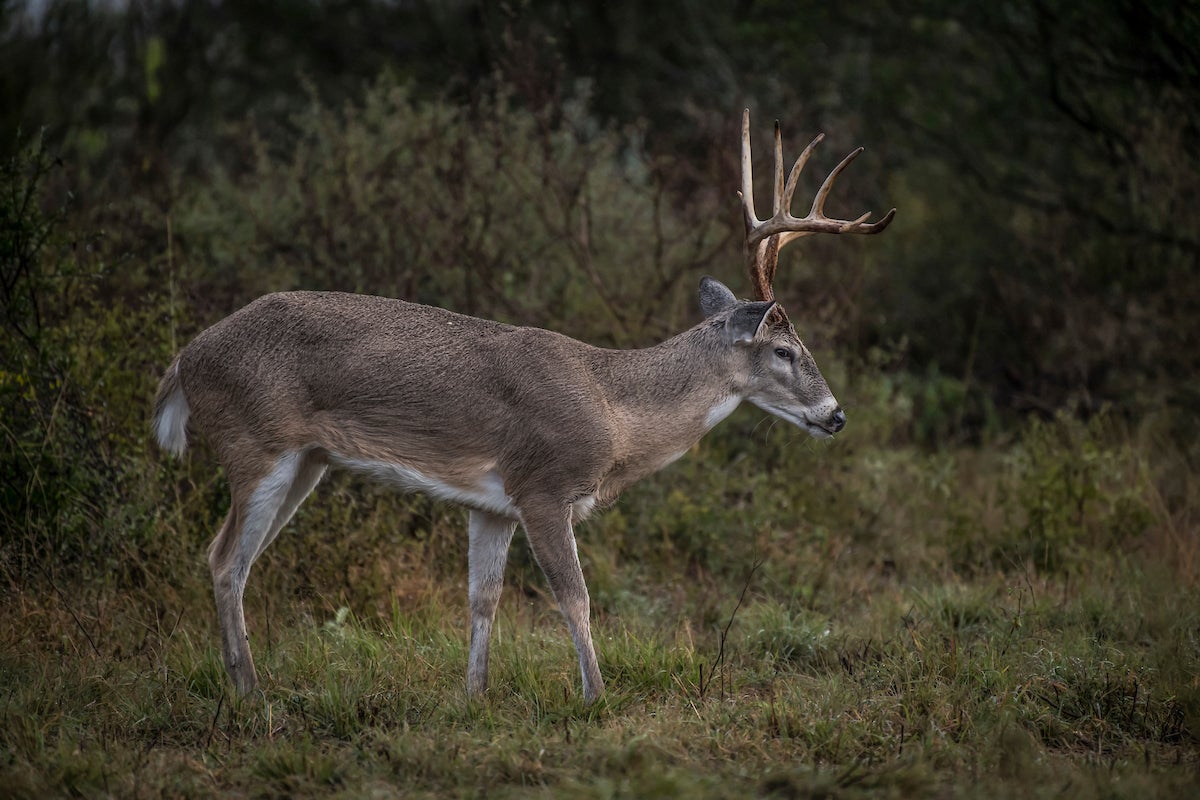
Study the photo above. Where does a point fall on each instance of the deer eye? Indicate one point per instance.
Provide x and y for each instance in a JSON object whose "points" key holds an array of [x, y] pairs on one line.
{"points": [[784, 353]]}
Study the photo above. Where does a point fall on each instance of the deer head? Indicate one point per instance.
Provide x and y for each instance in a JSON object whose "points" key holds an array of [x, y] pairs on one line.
{"points": [[783, 378]]}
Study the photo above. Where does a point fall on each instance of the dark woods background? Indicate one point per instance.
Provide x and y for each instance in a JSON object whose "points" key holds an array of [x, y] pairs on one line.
{"points": [[573, 165], [1043, 157]]}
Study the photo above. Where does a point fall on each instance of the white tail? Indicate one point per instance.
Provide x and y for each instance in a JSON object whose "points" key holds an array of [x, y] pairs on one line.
{"points": [[520, 425], [171, 412]]}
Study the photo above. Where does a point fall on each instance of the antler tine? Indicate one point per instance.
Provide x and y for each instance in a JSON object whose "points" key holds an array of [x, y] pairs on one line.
{"points": [[777, 191], [877, 227], [818, 206], [747, 192], [797, 168], [761, 257]]}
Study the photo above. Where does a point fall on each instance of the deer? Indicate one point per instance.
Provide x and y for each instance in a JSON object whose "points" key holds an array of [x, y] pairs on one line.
{"points": [[520, 425]]}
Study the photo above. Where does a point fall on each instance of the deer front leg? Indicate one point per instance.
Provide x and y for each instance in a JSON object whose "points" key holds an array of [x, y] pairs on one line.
{"points": [[490, 537], [553, 543]]}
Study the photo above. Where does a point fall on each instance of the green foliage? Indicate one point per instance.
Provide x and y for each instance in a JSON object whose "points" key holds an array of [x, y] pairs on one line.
{"points": [[47, 466], [1080, 489], [73, 383], [493, 210]]}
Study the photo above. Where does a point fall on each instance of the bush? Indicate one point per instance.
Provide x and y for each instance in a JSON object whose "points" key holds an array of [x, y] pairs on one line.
{"points": [[1080, 489], [48, 467], [75, 489], [533, 216]]}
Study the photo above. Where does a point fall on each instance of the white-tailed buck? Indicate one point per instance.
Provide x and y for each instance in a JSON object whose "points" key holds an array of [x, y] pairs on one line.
{"points": [[520, 425]]}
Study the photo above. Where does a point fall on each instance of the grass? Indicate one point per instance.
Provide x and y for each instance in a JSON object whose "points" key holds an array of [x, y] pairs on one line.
{"points": [[1004, 684], [773, 618]]}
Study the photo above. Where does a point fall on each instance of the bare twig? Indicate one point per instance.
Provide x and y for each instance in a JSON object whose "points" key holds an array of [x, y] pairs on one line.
{"points": [[213, 727], [703, 684], [71, 611]]}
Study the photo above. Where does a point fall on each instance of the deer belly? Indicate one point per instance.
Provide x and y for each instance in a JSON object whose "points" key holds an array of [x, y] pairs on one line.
{"points": [[484, 491]]}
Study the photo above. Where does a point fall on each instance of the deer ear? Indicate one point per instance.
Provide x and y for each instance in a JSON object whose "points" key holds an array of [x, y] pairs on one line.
{"points": [[715, 297], [744, 324]]}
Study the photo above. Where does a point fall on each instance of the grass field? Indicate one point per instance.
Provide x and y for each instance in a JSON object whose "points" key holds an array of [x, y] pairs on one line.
{"points": [[773, 617]]}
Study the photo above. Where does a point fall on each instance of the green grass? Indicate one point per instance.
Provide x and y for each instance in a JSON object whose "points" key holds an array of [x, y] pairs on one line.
{"points": [[1004, 684]]}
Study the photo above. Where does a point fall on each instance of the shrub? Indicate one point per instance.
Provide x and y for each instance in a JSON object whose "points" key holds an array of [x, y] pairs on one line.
{"points": [[75, 489], [534, 216]]}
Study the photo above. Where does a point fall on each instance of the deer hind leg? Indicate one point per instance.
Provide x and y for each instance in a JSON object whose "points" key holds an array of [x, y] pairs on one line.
{"points": [[308, 475], [553, 543], [490, 536], [252, 516]]}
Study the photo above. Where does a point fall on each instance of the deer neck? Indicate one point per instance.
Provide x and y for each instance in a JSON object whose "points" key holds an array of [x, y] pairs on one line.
{"points": [[668, 396]]}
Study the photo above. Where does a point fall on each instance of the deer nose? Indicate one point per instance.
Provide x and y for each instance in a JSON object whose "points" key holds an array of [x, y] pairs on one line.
{"points": [[838, 420]]}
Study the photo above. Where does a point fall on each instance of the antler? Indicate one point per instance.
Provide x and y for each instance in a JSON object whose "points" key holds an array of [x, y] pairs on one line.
{"points": [[764, 238]]}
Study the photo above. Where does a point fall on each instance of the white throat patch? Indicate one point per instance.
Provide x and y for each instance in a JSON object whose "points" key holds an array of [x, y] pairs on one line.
{"points": [[721, 410]]}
